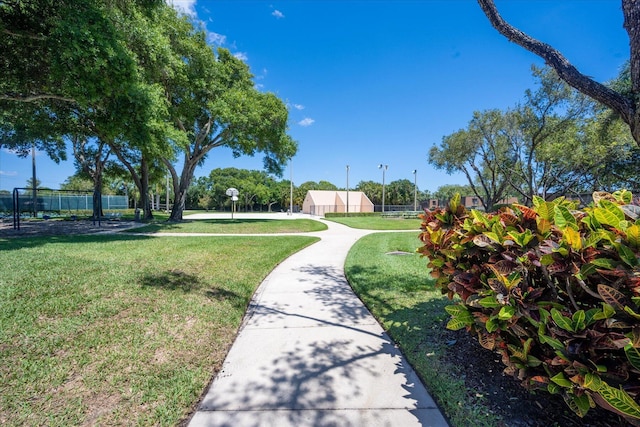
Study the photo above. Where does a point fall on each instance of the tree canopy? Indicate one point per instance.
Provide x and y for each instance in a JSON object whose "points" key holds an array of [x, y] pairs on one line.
{"points": [[131, 82]]}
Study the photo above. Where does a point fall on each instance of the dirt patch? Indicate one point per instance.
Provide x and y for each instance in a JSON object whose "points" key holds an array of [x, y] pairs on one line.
{"points": [[61, 228]]}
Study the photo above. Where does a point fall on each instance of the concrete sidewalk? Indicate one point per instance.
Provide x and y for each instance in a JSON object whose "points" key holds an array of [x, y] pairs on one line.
{"points": [[310, 354]]}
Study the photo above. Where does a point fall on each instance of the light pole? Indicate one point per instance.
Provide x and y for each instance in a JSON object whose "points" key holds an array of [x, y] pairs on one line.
{"points": [[347, 188], [415, 189], [291, 188], [384, 168]]}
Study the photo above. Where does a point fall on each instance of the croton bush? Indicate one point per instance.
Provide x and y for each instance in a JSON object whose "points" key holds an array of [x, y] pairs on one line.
{"points": [[554, 290]]}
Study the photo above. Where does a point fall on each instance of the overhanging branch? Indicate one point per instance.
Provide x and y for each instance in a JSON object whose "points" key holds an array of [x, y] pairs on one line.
{"points": [[34, 98], [567, 72]]}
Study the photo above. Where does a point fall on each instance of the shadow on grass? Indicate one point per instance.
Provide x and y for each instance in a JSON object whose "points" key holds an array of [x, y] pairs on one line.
{"points": [[218, 294], [172, 280], [178, 280], [37, 241], [177, 225]]}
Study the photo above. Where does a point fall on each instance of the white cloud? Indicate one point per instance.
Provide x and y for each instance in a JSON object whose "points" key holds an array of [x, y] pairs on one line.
{"points": [[277, 14], [298, 106], [188, 7], [242, 56], [9, 173], [215, 38], [306, 122]]}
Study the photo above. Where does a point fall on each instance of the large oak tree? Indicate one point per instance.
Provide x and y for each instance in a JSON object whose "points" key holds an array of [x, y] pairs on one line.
{"points": [[213, 103]]}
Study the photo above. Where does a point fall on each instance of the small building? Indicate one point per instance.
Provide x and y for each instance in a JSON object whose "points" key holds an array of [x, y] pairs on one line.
{"points": [[319, 202]]}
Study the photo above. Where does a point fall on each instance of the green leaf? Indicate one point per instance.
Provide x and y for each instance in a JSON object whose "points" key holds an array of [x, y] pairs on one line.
{"points": [[627, 255], [517, 352], [456, 323], [607, 311], [578, 404], [461, 317], [609, 213], [537, 201], [493, 236], [578, 320], [547, 259], [454, 203], [562, 322], [506, 312], [522, 239], [553, 388], [554, 343], [533, 361], [591, 316], [561, 380], [586, 270], [546, 210], [564, 218], [489, 302], [480, 217], [624, 196], [620, 400], [607, 263], [633, 236], [492, 324], [456, 310], [592, 382], [632, 313], [592, 240], [633, 355]]}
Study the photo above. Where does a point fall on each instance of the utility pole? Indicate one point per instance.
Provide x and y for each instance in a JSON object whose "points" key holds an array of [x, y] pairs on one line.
{"points": [[384, 168], [415, 189]]}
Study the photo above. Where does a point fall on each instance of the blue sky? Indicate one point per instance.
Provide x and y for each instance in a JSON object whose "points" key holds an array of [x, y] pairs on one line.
{"points": [[371, 82]]}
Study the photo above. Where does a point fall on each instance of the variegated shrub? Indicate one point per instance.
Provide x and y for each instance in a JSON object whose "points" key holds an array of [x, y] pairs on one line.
{"points": [[554, 290]]}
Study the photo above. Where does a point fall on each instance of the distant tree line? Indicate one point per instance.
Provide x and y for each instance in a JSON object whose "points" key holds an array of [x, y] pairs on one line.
{"points": [[260, 191]]}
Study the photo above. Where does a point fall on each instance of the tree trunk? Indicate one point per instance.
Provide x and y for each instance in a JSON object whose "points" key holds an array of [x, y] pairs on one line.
{"points": [[141, 180], [97, 196], [180, 186], [144, 190], [625, 106]]}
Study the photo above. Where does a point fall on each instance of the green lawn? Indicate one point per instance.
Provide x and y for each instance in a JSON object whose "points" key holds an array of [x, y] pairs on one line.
{"points": [[378, 223], [399, 292], [234, 226], [121, 330]]}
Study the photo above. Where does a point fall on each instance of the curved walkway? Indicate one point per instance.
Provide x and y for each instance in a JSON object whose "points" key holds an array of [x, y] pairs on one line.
{"points": [[309, 353]]}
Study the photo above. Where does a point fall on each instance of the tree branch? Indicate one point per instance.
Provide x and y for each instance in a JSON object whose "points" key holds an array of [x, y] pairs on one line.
{"points": [[567, 72], [26, 36], [34, 98]]}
